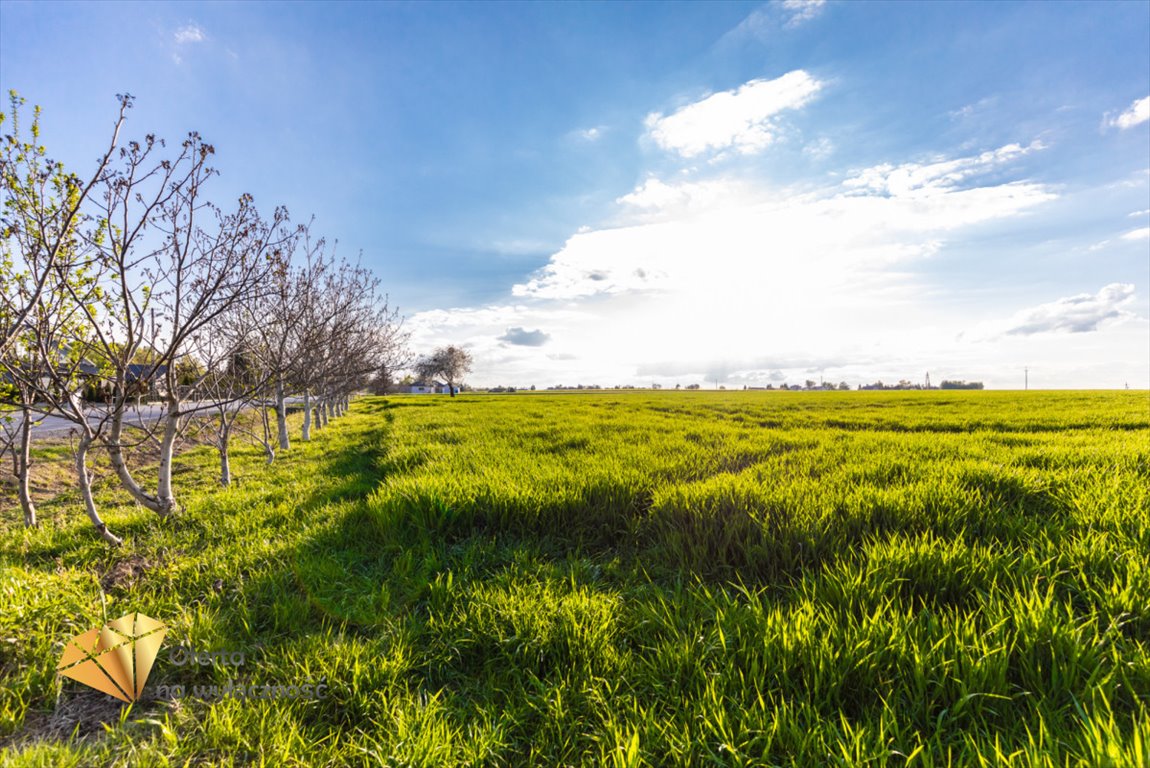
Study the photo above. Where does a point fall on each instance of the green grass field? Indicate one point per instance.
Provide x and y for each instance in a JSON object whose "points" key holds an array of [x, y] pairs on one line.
{"points": [[661, 579]]}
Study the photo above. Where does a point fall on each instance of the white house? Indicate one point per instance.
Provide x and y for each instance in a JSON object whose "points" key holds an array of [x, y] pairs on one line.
{"points": [[430, 388]]}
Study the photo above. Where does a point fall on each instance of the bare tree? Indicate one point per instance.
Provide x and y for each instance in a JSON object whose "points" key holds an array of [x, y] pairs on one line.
{"points": [[41, 206], [212, 271], [232, 379], [173, 263], [132, 282], [275, 340], [47, 274], [21, 369], [49, 368]]}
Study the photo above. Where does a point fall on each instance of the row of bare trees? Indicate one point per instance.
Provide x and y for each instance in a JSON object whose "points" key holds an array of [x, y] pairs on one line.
{"points": [[131, 281]]}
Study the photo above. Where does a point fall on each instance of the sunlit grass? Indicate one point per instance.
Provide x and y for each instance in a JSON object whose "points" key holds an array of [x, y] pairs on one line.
{"points": [[629, 579]]}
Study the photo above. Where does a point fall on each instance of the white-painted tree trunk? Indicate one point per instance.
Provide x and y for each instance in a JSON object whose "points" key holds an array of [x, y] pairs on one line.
{"points": [[281, 417], [116, 456], [23, 469], [266, 441], [164, 493], [225, 435], [86, 492], [306, 415]]}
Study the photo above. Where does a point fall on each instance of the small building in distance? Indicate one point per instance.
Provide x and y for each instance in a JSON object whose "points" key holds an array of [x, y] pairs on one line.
{"points": [[428, 388]]}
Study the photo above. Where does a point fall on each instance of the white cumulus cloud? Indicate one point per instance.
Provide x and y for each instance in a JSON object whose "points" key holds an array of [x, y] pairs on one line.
{"points": [[727, 279], [719, 244], [657, 199], [1138, 113], [525, 338], [1082, 313], [743, 119]]}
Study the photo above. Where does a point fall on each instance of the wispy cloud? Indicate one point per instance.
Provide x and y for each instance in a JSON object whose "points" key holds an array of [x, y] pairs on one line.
{"points": [[820, 149], [799, 12], [742, 119], [189, 34], [916, 179], [1137, 234], [974, 108], [766, 20], [1138, 113], [1082, 313]]}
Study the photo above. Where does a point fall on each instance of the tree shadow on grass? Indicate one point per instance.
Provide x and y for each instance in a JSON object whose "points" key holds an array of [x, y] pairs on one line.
{"points": [[353, 467]]}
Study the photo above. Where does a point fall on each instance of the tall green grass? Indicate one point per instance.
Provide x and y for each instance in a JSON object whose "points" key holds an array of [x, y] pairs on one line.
{"points": [[631, 579]]}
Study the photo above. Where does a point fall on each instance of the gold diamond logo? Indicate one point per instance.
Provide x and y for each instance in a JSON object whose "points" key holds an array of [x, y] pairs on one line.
{"points": [[116, 658]]}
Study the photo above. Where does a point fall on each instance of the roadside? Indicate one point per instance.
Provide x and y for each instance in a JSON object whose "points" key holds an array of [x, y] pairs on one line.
{"points": [[145, 414]]}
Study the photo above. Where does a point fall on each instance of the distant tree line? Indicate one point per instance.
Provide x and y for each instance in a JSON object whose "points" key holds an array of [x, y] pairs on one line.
{"points": [[960, 385], [808, 386], [130, 281]]}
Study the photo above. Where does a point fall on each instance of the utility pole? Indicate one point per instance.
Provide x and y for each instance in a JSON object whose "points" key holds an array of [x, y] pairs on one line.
{"points": [[928, 379], [1026, 378]]}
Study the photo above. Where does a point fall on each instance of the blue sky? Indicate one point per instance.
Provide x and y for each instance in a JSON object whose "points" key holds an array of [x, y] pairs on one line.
{"points": [[671, 192]]}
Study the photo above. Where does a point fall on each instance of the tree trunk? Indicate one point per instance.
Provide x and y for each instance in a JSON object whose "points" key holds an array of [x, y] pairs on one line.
{"points": [[269, 448], [23, 467], [116, 456], [306, 415], [164, 494], [86, 491], [281, 417], [321, 413], [225, 460], [331, 409]]}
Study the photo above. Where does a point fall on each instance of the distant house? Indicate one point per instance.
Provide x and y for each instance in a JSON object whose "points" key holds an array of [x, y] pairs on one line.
{"points": [[145, 378], [429, 388], [73, 377], [141, 380]]}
